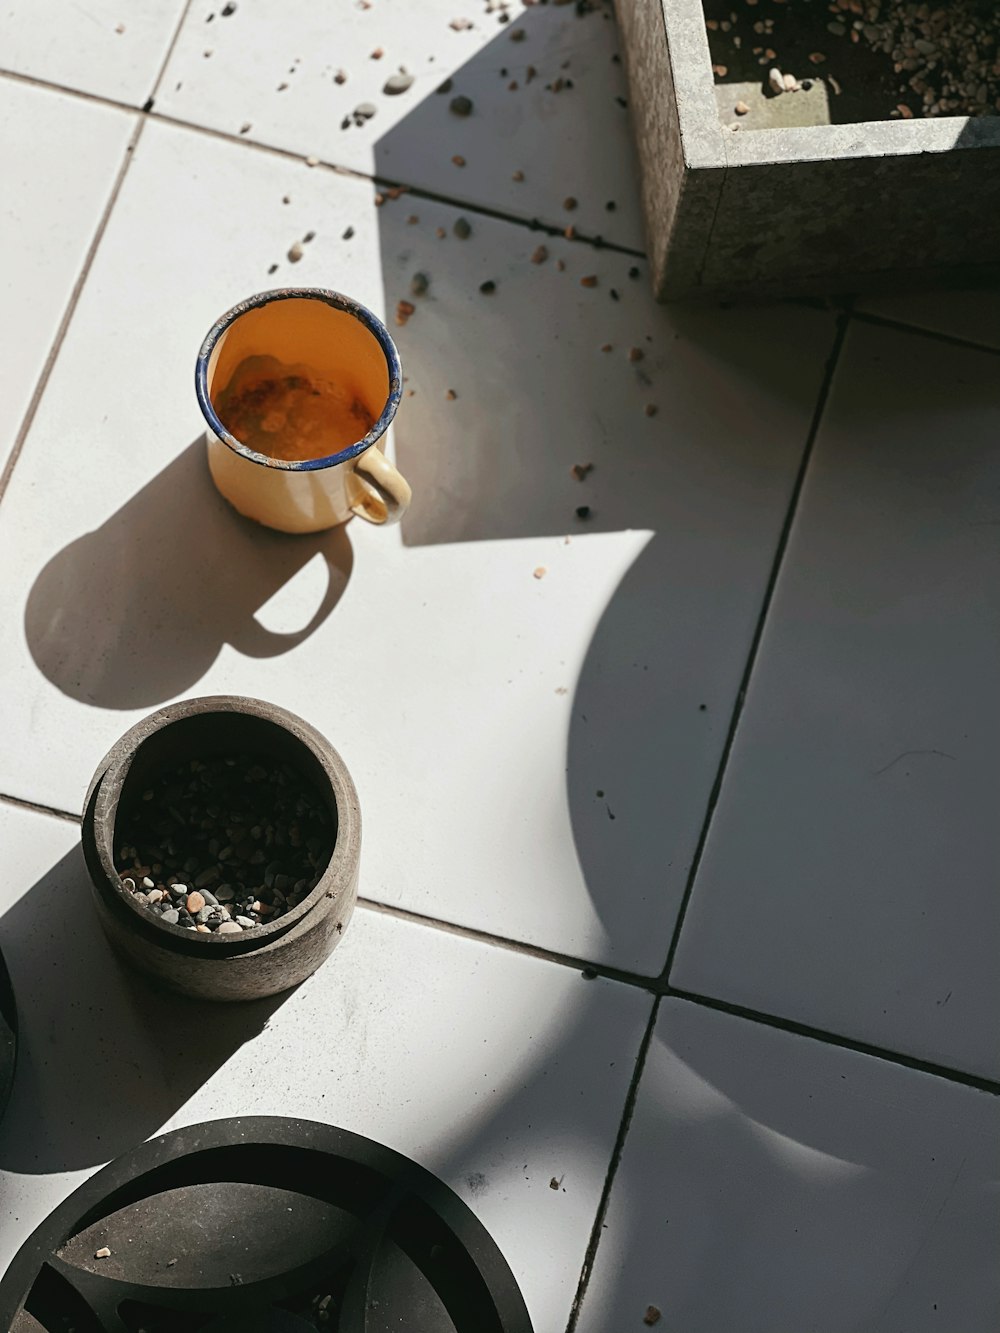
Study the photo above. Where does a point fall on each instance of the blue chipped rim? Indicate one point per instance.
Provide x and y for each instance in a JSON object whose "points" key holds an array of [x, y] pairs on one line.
{"points": [[340, 302]]}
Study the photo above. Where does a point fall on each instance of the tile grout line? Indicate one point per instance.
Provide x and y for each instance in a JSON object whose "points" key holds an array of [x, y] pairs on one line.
{"points": [[186, 9], [290, 155], [69, 311], [776, 564], [88, 259], [795, 1029], [628, 1110], [591, 971], [900, 326], [20, 803]]}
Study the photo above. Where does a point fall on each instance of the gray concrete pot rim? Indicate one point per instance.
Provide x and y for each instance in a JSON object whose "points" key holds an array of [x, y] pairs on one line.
{"points": [[101, 808]]}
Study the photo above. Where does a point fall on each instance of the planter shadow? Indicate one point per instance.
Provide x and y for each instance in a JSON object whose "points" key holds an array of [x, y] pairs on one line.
{"points": [[105, 1058]]}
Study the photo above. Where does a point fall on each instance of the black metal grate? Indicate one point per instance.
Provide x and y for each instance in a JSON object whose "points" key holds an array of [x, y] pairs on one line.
{"points": [[261, 1225]]}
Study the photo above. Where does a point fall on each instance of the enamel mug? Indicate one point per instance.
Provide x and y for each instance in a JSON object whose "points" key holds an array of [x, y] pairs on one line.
{"points": [[343, 342]]}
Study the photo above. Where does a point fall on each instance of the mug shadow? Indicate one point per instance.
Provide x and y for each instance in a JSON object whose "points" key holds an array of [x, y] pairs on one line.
{"points": [[104, 1058], [135, 613]]}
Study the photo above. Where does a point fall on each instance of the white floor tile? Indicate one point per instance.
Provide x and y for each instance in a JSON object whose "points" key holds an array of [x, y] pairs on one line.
{"points": [[58, 162], [772, 1184], [269, 72], [849, 878], [499, 1072], [113, 48], [532, 753], [972, 314]]}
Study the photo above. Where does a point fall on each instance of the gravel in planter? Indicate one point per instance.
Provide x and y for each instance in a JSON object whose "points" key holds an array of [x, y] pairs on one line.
{"points": [[880, 59], [225, 844]]}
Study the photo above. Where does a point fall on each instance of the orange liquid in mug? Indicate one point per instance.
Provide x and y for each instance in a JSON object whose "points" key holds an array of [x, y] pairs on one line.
{"points": [[290, 412]]}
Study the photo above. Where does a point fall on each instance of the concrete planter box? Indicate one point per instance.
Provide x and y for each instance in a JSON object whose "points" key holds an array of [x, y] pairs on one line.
{"points": [[774, 212]]}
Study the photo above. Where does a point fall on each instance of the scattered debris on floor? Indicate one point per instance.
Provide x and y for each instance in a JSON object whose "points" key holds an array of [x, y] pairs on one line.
{"points": [[539, 572], [397, 83]]}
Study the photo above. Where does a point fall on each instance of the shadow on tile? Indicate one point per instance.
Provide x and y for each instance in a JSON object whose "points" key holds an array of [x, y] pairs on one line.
{"points": [[761, 1167], [708, 474], [136, 612], [104, 1059]]}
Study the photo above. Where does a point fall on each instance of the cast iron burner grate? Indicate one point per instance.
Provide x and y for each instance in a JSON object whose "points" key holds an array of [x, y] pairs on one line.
{"points": [[261, 1225]]}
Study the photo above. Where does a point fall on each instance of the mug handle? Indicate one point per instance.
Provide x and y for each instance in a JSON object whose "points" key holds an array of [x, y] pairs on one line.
{"points": [[385, 491]]}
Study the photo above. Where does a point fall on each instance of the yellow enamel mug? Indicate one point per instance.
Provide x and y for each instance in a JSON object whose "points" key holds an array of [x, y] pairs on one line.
{"points": [[346, 345]]}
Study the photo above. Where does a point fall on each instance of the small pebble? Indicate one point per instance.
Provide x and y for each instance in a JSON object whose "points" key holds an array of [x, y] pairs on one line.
{"points": [[583, 511], [246, 127], [419, 284], [147, 883], [171, 916], [539, 572], [517, 176], [295, 253], [540, 255], [445, 87], [462, 229], [650, 409], [581, 470], [440, 233], [569, 203], [652, 1315], [589, 281], [635, 353], [365, 110], [347, 234], [776, 80], [404, 309], [451, 395], [203, 914], [398, 83], [245, 922], [458, 160], [229, 928], [340, 76], [561, 265], [102, 1253], [461, 105], [378, 53], [741, 108], [156, 896], [633, 271], [309, 236], [312, 161], [488, 287], [202, 930]]}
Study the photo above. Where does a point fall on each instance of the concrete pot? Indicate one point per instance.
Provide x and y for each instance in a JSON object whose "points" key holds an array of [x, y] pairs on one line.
{"points": [[816, 209], [272, 957]]}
